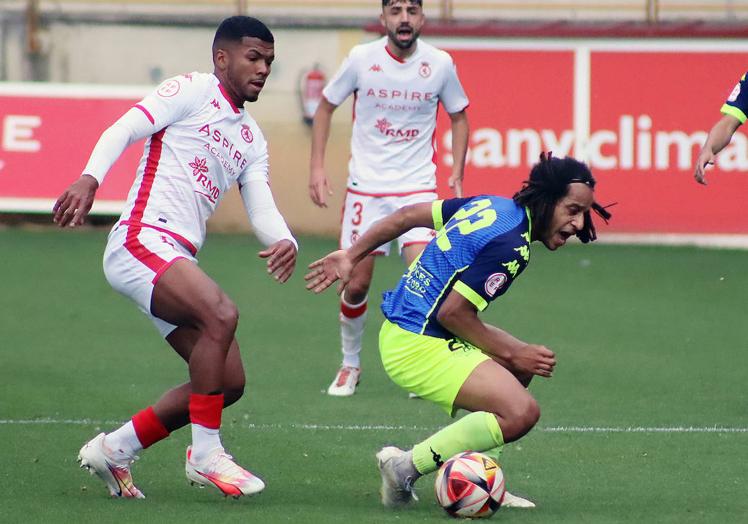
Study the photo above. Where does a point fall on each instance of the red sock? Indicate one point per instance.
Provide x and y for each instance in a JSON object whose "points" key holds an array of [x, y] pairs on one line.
{"points": [[206, 410], [353, 311], [148, 428]]}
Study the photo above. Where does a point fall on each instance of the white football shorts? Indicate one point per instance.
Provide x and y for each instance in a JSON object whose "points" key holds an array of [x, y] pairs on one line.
{"points": [[136, 256], [361, 211]]}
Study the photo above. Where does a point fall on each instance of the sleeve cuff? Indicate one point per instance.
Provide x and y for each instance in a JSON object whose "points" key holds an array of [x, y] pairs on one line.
{"points": [[436, 214], [727, 109], [470, 295]]}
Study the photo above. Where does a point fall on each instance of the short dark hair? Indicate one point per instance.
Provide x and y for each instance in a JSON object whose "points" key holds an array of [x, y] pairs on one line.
{"points": [[548, 183], [385, 3], [234, 28]]}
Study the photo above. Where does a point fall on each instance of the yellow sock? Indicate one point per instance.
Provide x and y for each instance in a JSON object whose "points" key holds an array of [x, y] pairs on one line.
{"points": [[477, 431]]}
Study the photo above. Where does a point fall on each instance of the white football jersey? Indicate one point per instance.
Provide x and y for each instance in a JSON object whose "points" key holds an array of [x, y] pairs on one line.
{"points": [[203, 145], [393, 142]]}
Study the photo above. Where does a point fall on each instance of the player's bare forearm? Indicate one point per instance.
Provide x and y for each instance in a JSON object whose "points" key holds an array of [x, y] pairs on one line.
{"points": [[338, 265], [319, 186], [460, 136], [391, 227], [459, 316], [719, 136]]}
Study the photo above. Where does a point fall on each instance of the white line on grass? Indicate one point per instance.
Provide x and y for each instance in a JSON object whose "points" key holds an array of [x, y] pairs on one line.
{"points": [[394, 427]]}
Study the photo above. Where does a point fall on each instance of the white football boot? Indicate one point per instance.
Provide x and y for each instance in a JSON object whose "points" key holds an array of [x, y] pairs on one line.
{"points": [[98, 459], [345, 382], [397, 488], [220, 471], [513, 501]]}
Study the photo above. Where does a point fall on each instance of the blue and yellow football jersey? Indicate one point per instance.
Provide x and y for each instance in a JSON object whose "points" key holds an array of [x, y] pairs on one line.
{"points": [[737, 103], [482, 244]]}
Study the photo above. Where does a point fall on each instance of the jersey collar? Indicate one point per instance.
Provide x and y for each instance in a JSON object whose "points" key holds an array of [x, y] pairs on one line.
{"points": [[227, 97]]}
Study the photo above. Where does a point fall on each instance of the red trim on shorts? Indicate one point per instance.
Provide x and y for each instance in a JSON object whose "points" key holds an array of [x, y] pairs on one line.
{"points": [[163, 269], [205, 410], [394, 57], [148, 427], [179, 238], [379, 195], [147, 113], [353, 311], [406, 244], [228, 98], [144, 255]]}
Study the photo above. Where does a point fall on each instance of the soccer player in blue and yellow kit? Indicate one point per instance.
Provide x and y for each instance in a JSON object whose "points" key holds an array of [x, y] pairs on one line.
{"points": [[434, 344], [734, 110]]}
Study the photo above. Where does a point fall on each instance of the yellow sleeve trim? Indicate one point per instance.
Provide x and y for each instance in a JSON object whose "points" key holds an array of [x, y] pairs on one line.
{"points": [[727, 109], [436, 214], [471, 296]]}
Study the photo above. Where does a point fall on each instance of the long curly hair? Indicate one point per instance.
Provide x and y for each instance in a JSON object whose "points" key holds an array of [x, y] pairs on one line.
{"points": [[548, 183]]}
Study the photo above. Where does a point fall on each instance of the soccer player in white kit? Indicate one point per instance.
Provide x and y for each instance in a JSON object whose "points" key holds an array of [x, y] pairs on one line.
{"points": [[201, 141], [398, 82]]}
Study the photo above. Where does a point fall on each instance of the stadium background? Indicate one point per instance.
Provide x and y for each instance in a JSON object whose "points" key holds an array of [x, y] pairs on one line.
{"points": [[639, 82], [645, 420]]}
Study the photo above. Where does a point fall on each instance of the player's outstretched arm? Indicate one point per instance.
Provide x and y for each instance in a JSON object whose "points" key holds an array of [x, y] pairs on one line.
{"points": [[338, 264], [717, 140], [460, 134], [270, 228], [319, 184], [72, 208], [460, 317]]}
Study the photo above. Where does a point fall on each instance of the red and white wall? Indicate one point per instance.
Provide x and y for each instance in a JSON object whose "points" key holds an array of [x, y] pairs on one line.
{"points": [[637, 111]]}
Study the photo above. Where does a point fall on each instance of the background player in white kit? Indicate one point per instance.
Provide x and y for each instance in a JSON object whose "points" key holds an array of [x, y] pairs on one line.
{"points": [[398, 82], [200, 142]]}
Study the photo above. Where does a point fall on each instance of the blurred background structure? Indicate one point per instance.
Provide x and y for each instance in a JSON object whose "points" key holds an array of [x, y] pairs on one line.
{"points": [[606, 80]]}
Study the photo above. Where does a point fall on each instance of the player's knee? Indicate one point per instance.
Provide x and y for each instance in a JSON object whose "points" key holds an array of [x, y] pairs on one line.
{"points": [[224, 317], [520, 418]]}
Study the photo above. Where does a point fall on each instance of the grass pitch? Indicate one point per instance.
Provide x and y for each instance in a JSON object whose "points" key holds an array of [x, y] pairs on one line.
{"points": [[645, 420]]}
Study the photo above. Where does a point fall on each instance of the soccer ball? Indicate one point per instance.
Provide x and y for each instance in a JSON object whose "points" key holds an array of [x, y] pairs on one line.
{"points": [[470, 485]]}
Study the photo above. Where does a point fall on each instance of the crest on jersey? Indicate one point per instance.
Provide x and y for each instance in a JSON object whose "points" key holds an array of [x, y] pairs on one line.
{"points": [[247, 134], [168, 88], [494, 283], [735, 92], [424, 70]]}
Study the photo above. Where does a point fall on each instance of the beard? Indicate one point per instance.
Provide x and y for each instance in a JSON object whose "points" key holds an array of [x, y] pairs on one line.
{"points": [[403, 44]]}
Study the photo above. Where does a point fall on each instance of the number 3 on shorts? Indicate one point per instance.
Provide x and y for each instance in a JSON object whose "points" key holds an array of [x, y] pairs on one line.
{"points": [[358, 207], [485, 217]]}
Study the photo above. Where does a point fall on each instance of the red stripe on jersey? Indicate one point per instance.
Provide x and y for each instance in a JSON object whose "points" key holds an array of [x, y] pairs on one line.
{"points": [[228, 98], [395, 57], [147, 113], [149, 175], [377, 195]]}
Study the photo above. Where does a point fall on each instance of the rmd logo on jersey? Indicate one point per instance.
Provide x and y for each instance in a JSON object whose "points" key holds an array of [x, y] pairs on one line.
{"points": [[217, 136], [402, 135]]}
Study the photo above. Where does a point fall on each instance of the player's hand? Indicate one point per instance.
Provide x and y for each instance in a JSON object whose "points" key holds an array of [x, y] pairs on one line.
{"points": [[74, 204], [319, 187], [281, 259], [455, 182], [534, 359], [706, 157], [326, 271]]}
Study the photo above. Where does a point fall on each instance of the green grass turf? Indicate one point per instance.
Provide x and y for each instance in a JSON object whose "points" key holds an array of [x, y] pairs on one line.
{"points": [[645, 336]]}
